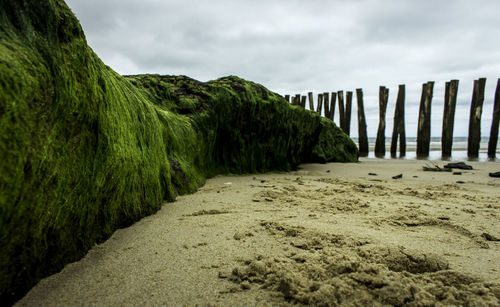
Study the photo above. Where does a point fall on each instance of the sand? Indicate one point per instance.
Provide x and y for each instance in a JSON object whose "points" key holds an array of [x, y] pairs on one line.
{"points": [[324, 235]]}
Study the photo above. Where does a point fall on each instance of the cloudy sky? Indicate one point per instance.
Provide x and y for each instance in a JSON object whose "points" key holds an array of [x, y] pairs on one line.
{"points": [[293, 46]]}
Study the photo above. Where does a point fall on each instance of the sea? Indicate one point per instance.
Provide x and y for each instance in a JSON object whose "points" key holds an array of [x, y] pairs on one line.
{"points": [[459, 149]]}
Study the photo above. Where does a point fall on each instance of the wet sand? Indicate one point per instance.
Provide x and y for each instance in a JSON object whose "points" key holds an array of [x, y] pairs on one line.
{"points": [[327, 234]]}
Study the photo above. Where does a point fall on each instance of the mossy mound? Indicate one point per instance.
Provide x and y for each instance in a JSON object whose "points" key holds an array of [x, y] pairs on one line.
{"points": [[84, 151]]}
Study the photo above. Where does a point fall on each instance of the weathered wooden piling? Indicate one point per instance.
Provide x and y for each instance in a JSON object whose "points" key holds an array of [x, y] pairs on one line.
{"points": [[326, 99], [450, 102], [287, 98], [332, 105], [362, 137], [424, 120], [347, 116], [340, 96], [399, 124], [383, 97], [492, 144], [303, 102], [311, 101], [476, 109], [297, 100], [320, 103]]}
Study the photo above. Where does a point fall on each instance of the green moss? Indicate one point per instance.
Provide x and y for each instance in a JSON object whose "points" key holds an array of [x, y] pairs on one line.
{"points": [[84, 151]]}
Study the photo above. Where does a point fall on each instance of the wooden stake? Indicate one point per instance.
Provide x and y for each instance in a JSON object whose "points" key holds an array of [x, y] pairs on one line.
{"points": [[399, 124], [424, 121], [347, 116], [492, 144], [362, 137], [332, 105], [476, 110], [297, 100], [326, 98], [340, 96], [383, 97], [320, 103], [311, 102], [450, 102], [303, 102]]}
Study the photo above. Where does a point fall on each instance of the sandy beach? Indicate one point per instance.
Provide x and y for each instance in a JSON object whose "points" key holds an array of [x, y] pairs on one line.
{"points": [[326, 234]]}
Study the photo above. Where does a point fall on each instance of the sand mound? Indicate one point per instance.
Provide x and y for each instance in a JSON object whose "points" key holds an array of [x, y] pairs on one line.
{"points": [[327, 270]]}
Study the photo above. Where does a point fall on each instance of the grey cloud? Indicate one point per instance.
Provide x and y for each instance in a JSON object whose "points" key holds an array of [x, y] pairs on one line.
{"points": [[293, 46]]}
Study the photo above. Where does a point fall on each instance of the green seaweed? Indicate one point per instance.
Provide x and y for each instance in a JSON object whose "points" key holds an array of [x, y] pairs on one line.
{"points": [[84, 151]]}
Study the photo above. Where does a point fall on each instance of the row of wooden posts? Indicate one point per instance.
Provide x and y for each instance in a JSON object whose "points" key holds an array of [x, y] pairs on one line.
{"points": [[424, 119]]}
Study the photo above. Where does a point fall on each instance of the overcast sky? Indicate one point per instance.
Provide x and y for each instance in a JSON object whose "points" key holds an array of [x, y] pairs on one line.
{"points": [[293, 46]]}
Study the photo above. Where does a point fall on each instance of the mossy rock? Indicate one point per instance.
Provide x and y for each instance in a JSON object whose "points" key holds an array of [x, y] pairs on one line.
{"points": [[84, 151]]}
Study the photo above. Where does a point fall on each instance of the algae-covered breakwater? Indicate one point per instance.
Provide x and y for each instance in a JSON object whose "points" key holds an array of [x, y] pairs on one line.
{"points": [[84, 151]]}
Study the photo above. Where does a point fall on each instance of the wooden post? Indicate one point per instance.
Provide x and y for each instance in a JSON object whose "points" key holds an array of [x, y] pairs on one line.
{"points": [[492, 144], [320, 103], [450, 102], [311, 102], [399, 124], [347, 116], [287, 98], [476, 109], [332, 105], [326, 99], [383, 97], [303, 102], [296, 101], [362, 137], [340, 96], [424, 120]]}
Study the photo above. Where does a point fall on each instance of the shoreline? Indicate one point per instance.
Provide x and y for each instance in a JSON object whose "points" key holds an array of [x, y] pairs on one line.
{"points": [[435, 155], [459, 149], [318, 235]]}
